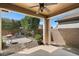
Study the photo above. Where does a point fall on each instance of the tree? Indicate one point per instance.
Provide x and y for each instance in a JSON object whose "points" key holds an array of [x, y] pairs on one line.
{"points": [[30, 23], [10, 25], [7, 24]]}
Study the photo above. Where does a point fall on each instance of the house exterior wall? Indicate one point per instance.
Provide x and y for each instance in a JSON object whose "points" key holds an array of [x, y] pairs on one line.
{"points": [[71, 36], [70, 33], [71, 25], [57, 37]]}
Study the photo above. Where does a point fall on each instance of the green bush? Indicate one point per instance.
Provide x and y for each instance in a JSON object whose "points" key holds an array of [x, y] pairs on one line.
{"points": [[38, 37]]}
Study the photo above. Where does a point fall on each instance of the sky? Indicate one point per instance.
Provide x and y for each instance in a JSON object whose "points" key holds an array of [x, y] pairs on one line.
{"points": [[12, 15], [19, 16]]}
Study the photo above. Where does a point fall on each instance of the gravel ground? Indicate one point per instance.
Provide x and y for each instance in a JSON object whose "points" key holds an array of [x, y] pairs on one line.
{"points": [[22, 43]]}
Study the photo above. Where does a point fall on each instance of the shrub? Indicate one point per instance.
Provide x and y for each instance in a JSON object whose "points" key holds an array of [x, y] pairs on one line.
{"points": [[38, 37]]}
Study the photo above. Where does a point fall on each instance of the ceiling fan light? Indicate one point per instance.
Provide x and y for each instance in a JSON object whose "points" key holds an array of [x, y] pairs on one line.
{"points": [[37, 12]]}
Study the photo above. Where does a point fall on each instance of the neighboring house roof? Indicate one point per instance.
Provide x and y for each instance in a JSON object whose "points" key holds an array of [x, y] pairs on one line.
{"points": [[68, 14], [68, 19]]}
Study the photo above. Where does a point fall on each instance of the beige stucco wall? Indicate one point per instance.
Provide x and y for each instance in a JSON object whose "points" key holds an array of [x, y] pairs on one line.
{"points": [[71, 36], [57, 37]]}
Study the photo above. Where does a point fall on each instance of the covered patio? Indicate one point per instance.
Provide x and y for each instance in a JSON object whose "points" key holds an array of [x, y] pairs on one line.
{"points": [[54, 10]]}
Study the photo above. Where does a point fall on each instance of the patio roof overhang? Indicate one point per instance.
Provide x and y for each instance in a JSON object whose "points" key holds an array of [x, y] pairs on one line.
{"points": [[54, 9]]}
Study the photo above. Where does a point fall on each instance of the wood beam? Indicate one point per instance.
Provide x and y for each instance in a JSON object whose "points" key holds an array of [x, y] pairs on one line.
{"points": [[70, 7], [19, 9], [46, 32]]}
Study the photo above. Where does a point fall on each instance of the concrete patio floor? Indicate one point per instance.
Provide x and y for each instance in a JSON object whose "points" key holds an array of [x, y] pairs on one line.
{"points": [[44, 50]]}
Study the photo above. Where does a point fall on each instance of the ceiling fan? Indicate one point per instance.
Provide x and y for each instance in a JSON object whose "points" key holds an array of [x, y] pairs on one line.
{"points": [[4, 10], [42, 7]]}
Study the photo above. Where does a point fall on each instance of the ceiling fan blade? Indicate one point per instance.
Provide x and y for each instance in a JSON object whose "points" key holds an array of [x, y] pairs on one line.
{"points": [[5, 11], [34, 6], [47, 4], [38, 11], [47, 9]]}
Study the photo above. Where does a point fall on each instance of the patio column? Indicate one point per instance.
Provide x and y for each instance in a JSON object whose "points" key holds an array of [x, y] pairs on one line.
{"points": [[0, 34], [46, 31]]}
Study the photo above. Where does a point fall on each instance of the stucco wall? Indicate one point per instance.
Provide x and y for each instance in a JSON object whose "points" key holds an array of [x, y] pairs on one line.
{"points": [[57, 37], [71, 36]]}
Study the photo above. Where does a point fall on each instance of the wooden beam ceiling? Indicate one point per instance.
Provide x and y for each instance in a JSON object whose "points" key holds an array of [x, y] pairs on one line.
{"points": [[70, 7], [33, 13], [20, 9]]}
